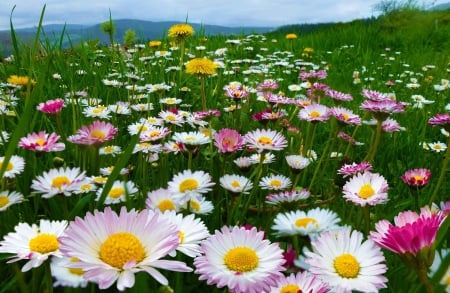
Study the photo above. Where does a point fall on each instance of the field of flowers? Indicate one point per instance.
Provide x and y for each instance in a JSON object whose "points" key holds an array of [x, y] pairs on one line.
{"points": [[245, 164]]}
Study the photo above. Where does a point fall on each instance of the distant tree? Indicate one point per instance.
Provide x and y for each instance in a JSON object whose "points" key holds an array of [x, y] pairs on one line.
{"points": [[129, 38], [109, 28]]}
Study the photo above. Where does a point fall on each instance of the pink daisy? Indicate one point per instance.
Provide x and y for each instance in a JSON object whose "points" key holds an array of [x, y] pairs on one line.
{"points": [[228, 140], [366, 189], [416, 177], [96, 133], [300, 282], [345, 116], [410, 233], [51, 106], [314, 113], [338, 96], [240, 259], [353, 169], [264, 139], [113, 247], [42, 142]]}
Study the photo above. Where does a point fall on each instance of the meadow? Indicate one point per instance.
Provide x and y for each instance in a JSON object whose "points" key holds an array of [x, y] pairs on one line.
{"points": [[253, 163]]}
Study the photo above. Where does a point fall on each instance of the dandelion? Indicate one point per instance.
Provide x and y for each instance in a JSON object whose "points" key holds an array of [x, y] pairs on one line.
{"points": [[305, 223], [366, 189], [97, 133], [63, 181], [181, 31], [113, 247], [42, 142], [201, 67], [14, 167], [9, 198], [239, 259], [346, 262], [34, 243], [22, 81]]}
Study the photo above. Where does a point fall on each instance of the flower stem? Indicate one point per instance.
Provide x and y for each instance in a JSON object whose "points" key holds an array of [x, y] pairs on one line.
{"points": [[376, 142], [442, 174]]}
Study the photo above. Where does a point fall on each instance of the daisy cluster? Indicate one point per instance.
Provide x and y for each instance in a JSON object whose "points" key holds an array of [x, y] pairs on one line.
{"points": [[235, 162]]}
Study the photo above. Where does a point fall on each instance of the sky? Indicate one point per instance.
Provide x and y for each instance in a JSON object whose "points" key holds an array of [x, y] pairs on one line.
{"points": [[236, 13]]}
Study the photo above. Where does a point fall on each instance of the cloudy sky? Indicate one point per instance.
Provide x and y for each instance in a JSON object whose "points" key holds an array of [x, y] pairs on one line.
{"points": [[270, 13]]}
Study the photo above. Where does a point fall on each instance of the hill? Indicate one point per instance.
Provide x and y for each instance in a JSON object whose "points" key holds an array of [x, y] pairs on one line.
{"points": [[145, 30]]}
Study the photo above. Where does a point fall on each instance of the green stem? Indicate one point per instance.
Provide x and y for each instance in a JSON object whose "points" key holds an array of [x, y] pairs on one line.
{"points": [[366, 210], [203, 95], [423, 277], [442, 174], [374, 146]]}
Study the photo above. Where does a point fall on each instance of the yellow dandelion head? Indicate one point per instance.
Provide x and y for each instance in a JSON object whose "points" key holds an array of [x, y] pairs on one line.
{"points": [[201, 66], [154, 44], [20, 80], [181, 31], [291, 36]]}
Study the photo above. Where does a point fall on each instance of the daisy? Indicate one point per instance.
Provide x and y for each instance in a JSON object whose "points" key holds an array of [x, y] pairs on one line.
{"points": [[440, 119], [243, 163], [353, 169], [338, 96], [106, 171], [4, 137], [63, 181], [366, 189], [267, 158], [191, 232], [187, 184], [112, 150], [34, 243], [306, 223], [275, 182], [263, 139], [297, 162], [346, 262], [437, 146], [416, 178], [99, 111], [121, 108], [391, 125], [410, 233], [141, 126], [9, 198], [51, 106], [147, 147], [113, 247], [228, 140], [239, 259], [191, 138], [198, 205], [236, 183], [65, 275], [162, 200], [314, 113], [288, 197], [299, 282], [15, 166], [171, 118], [119, 192], [345, 116], [98, 132], [42, 142]]}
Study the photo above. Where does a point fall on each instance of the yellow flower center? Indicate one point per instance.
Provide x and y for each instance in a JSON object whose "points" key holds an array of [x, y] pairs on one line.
{"points": [[345, 116], [304, 222], [228, 143], [314, 114], [171, 117], [109, 149], [4, 200], [241, 259], [121, 248], [40, 141], [99, 109], [44, 243], [194, 205], [437, 147], [75, 271], [366, 191], [290, 288], [98, 134], [60, 181], [188, 185], [418, 178], [264, 140], [235, 184], [346, 266], [9, 167], [166, 205], [86, 187], [116, 192], [275, 183], [100, 180]]}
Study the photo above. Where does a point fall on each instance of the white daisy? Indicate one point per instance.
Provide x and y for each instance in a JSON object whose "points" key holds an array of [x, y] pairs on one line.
{"points": [[346, 262], [187, 184], [297, 162], [112, 150], [99, 111], [275, 182], [9, 198], [15, 166], [120, 192], [65, 275], [437, 146], [59, 181], [305, 223], [236, 183], [199, 206], [193, 138], [366, 188], [256, 158], [162, 200], [191, 232], [33, 243]]}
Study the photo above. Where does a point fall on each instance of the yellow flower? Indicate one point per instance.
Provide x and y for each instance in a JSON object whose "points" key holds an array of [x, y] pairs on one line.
{"points": [[181, 31], [154, 44], [291, 36], [201, 66], [20, 80]]}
